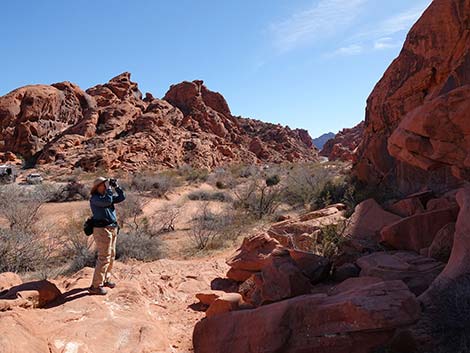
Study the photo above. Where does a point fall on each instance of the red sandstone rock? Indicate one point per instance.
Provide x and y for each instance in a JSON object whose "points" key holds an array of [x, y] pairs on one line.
{"points": [[418, 231], [238, 275], [300, 233], [459, 262], [224, 304], [441, 246], [208, 297], [416, 129], [111, 127], [418, 272], [367, 221], [279, 279], [343, 146], [38, 294], [356, 321], [315, 268], [407, 207], [254, 253]]}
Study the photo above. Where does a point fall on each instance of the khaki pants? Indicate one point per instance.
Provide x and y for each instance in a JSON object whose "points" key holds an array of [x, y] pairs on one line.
{"points": [[105, 239]]}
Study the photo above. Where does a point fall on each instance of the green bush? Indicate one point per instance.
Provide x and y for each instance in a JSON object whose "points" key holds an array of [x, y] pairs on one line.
{"points": [[329, 240], [273, 180]]}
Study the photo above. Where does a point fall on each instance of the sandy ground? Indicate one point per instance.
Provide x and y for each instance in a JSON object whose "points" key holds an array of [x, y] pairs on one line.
{"points": [[169, 285]]}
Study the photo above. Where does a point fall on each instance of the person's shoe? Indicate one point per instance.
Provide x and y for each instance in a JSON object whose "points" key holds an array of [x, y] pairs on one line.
{"points": [[97, 290], [109, 284]]}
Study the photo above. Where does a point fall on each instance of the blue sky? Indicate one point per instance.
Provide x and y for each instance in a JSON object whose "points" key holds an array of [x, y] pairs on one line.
{"points": [[302, 63]]}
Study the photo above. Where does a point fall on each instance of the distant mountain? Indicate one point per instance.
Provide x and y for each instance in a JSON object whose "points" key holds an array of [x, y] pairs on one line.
{"points": [[321, 140]]}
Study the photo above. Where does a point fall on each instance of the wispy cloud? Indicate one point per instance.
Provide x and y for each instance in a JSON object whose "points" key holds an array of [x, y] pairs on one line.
{"points": [[324, 19], [353, 49], [401, 22], [386, 43]]}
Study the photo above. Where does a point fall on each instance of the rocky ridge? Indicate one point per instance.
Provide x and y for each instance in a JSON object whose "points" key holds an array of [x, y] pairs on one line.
{"points": [[112, 126]]}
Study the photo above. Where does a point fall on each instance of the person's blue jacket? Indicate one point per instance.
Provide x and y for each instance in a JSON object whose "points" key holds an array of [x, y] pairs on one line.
{"points": [[102, 207]]}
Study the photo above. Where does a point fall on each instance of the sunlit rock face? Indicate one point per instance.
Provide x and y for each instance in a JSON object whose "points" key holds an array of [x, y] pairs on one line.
{"points": [[417, 131]]}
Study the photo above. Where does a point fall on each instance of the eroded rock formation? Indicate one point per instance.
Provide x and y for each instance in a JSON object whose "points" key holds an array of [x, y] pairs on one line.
{"points": [[344, 145], [416, 129], [111, 126]]}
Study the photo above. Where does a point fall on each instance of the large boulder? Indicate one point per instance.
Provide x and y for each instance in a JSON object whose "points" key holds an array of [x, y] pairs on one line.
{"points": [[442, 244], [418, 272], [418, 231], [279, 279], [254, 253], [416, 130], [356, 321], [459, 262], [368, 219]]}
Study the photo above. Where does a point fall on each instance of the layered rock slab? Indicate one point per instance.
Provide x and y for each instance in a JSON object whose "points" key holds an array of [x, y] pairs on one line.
{"points": [[356, 321]]}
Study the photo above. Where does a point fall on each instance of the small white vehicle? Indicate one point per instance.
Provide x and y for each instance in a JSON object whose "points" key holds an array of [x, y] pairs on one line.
{"points": [[34, 178]]}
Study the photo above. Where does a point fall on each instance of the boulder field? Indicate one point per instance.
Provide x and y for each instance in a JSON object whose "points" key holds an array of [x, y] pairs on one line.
{"points": [[360, 299], [112, 126]]}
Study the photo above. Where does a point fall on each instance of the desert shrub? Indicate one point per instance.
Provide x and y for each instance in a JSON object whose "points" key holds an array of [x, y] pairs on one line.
{"points": [[130, 210], [24, 243], [244, 171], [20, 206], [273, 180], [192, 174], [77, 248], [211, 230], [331, 192], [138, 245], [139, 236], [157, 185], [163, 221], [258, 199], [329, 239], [448, 317], [24, 251], [222, 179], [202, 195], [307, 183]]}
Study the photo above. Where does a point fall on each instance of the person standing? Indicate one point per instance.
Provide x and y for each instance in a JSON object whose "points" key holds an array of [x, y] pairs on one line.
{"points": [[105, 229]]}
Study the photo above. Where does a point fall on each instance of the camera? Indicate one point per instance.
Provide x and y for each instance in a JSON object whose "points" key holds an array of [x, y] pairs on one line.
{"points": [[113, 182]]}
